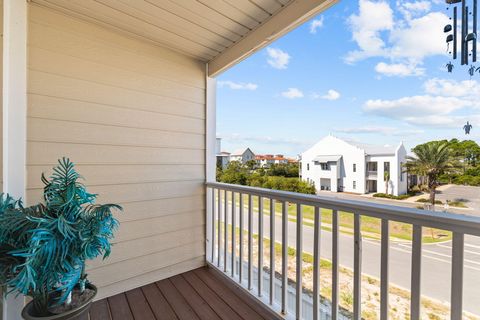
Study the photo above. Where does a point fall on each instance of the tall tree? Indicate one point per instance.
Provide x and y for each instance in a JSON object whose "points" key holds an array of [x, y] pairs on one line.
{"points": [[431, 160], [386, 178]]}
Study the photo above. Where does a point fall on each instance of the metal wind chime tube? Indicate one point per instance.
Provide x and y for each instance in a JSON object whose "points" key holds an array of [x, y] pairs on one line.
{"points": [[465, 35], [465, 38]]}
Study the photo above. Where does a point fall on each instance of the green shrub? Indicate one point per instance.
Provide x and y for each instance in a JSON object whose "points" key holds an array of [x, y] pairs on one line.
{"points": [[457, 204], [424, 200], [415, 189], [390, 196]]}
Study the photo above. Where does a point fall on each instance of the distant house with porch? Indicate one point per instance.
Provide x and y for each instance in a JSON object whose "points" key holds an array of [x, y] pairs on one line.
{"points": [[242, 155], [223, 158], [337, 165]]}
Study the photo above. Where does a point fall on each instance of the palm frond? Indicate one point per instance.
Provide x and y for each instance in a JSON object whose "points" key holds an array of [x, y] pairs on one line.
{"points": [[43, 248]]}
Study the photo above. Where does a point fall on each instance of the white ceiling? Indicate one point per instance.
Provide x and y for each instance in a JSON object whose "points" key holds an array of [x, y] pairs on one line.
{"points": [[203, 29], [200, 28]]}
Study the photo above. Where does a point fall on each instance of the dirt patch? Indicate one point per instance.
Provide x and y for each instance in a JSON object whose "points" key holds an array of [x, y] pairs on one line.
{"points": [[78, 300]]}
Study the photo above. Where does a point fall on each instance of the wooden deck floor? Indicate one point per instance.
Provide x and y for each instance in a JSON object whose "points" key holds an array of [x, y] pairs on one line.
{"points": [[199, 294]]}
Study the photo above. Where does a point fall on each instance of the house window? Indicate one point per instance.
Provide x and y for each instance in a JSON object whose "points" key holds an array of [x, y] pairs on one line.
{"points": [[354, 185], [325, 166], [354, 167], [371, 166], [308, 166], [401, 171]]}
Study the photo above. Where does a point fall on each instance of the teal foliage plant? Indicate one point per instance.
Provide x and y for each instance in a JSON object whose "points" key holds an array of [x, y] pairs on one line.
{"points": [[44, 247]]}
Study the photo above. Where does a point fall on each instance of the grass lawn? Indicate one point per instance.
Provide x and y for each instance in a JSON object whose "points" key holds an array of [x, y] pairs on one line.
{"points": [[371, 227]]}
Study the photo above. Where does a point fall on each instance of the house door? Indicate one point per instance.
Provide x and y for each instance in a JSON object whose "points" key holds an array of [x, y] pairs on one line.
{"points": [[371, 186]]}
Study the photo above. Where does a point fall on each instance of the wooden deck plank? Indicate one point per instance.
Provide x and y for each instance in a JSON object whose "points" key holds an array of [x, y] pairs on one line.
{"points": [[198, 304], [139, 305], [251, 301], [201, 294], [158, 304], [223, 310], [119, 308], [99, 310], [230, 298], [176, 300]]}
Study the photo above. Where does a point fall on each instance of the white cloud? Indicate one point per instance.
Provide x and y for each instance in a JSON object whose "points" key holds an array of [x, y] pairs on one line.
{"points": [[444, 121], [316, 24], [373, 18], [367, 129], [422, 37], [278, 58], [380, 130], [437, 107], [452, 88], [398, 69], [415, 106], [410, 9], [331, 95], [292, 93], [405, 41], [237, 85]]}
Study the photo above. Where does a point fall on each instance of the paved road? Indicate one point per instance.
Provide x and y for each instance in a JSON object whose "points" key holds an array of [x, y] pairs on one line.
{"points": [[452, 193], [436, 266], [470, 195]]}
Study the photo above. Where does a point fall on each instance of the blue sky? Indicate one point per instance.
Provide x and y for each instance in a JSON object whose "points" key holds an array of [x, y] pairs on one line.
{"points": [[371, 71]]}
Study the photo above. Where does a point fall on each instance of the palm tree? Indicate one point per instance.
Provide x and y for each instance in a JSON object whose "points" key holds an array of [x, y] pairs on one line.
{"points": [[386, 178], [431, 160]]}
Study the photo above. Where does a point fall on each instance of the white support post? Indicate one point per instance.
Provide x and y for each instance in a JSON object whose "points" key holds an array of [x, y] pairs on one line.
{"points": [[14, 115], [210, 157]]}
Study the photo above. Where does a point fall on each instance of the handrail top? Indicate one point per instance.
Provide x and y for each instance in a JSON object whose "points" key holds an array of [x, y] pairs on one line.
{"points": [[467, 224]]}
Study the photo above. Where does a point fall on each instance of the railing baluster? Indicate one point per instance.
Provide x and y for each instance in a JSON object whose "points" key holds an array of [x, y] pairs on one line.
{"points": [[225, 229], [384, 270], [250, 241], [357, 268], [299, 262], [316, 264], [334, 265], [456, 305], [272, 250], [219, 230], [219, 256], [240, 253], [213, 225], [260, 246], [234, 231], [284, 256], [416, 272]]}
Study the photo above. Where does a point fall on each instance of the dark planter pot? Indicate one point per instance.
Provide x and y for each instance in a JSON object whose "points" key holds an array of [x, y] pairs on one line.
{"points": [[78, 313]]}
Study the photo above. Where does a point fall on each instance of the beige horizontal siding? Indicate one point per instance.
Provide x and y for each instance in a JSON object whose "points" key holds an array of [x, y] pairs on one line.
{"points": [[146, 278], [125, 174], [131, 115], [85, 112]]}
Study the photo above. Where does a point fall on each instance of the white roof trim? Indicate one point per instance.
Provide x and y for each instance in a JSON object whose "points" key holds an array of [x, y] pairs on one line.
{"points": [[290, 17], [325, 159]]}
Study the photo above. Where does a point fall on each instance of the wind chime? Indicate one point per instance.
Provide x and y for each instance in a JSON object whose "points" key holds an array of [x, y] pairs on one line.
{"points": [[466, 37], [468, 40]]}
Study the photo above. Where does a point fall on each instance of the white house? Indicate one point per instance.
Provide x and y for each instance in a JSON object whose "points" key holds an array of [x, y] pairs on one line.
{"points": [[223, 158], [242, 156], [337, 165], [269, 159]]}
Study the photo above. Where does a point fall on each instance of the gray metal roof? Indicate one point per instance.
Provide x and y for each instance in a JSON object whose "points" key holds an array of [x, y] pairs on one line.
{"points": [[371, 149]]}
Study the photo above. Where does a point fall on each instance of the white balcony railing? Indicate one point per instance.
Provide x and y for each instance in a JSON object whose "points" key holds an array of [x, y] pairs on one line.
{"points": [[372, 174], [228, 203]]}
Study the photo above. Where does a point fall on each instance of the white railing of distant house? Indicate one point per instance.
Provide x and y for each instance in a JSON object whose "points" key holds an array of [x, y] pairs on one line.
{"points": [[222, 221]]}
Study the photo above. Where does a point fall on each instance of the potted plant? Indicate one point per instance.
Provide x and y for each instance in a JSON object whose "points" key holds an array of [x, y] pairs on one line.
{"points": [[43, 248]]}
